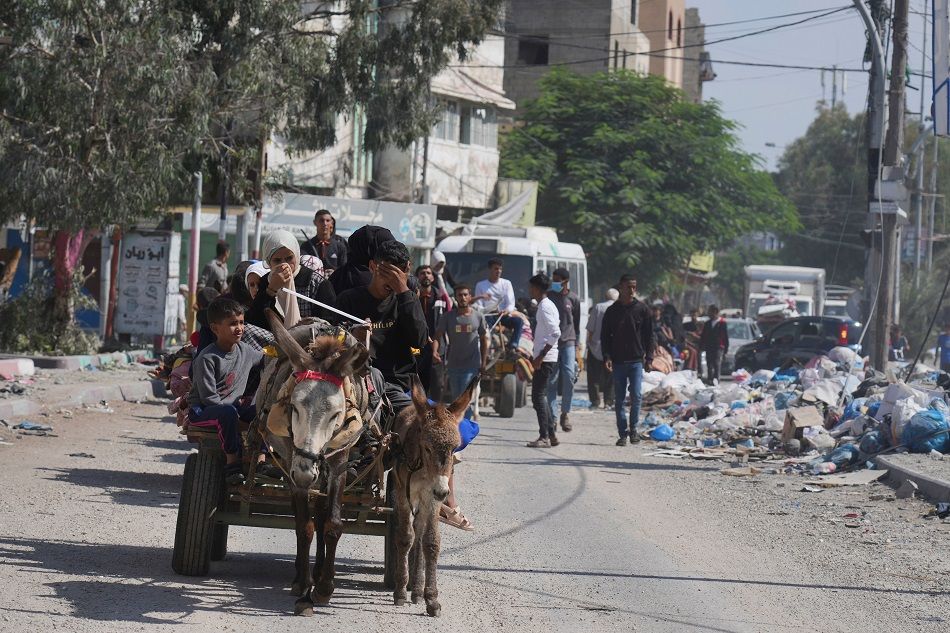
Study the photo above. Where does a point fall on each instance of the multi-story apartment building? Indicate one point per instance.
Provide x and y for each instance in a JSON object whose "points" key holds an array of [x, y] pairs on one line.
{"points": [[586, 36], [662, 22]]}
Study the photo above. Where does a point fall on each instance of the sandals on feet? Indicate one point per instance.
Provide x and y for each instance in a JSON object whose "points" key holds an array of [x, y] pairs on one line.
{"points": [[455, 518]]}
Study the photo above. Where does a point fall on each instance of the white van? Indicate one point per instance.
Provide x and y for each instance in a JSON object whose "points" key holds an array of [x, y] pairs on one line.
{"points": [[525, 251]]}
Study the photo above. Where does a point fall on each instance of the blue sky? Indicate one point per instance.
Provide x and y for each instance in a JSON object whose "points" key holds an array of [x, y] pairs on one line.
{"points": [[776, 105]]}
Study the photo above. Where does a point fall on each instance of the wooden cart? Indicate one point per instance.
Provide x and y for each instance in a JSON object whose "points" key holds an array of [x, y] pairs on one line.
{"points": [[208, 506]]}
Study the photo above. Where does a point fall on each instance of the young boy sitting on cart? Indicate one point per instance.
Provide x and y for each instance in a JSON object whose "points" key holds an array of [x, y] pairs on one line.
{"points": [[219, 379]]}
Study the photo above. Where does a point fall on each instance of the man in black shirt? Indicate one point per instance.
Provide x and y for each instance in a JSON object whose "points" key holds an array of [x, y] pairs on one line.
{"points": [[326, 244], [398, 324], [628, 344]]}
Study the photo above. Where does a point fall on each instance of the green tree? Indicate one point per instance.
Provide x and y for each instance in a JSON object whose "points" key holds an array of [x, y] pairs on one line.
{"points": [[642, 177], [107, 107], [824, 174]]}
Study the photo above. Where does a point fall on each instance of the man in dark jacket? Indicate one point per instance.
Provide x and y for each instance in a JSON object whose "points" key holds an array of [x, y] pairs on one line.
{"points": [[627, 343], [569, 312], [326, 244], [399, 326], [714, 341]]}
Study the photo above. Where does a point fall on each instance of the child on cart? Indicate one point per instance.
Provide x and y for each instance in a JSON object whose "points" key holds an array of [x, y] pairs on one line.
{"points": [[219, 379]]}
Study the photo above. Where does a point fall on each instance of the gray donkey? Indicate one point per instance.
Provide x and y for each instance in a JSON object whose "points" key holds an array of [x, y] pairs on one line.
{"points": [[313, 411], [425, 437]]}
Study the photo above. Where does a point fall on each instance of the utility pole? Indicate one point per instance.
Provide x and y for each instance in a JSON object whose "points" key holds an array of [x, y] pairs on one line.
{"points": [[872, 16], [891, 158], [921, 129]]}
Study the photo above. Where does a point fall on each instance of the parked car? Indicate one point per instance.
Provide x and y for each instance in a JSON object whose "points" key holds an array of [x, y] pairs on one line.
{"points": [[798, 339], [741, 332]]}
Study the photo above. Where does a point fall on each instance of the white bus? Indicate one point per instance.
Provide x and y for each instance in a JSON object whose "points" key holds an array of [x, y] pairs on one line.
{"points": [[525, 251]]}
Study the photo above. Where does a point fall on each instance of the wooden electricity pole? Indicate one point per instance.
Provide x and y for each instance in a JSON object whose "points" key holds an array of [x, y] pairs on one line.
{"points": [[891, 158]]}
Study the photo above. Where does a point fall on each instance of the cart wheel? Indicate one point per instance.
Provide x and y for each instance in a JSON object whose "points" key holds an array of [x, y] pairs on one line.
{"points": [[522, 394], [507, 396], [200, 492], [389, 541]]}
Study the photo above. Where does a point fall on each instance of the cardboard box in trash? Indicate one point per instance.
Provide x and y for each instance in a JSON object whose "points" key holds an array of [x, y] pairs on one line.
{"points": [[797, 419]]}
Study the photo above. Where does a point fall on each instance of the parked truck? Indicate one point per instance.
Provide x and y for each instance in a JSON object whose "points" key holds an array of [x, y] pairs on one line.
{"points": [[773, 293]]}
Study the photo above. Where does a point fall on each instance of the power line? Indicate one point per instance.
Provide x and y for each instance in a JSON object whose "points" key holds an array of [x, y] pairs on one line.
{"points": [[707, 26], [535, 38], [652, 54]]}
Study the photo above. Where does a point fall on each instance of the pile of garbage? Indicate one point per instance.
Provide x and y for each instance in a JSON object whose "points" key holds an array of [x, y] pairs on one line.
{"points": [[832, 414]]}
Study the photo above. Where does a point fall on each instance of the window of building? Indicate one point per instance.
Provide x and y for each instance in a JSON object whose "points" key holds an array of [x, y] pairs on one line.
{"points": [[669, 27], [679, 32], [478, 126], [533, 50], [447, 127], [633, 11]]}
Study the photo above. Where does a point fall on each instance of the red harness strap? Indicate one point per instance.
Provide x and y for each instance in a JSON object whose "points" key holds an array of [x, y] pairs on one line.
{"points": [[300, 376]]}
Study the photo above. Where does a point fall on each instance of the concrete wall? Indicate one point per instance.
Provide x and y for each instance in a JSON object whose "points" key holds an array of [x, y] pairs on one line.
{"points": [[586, 23], [626, 37], [694, 36], [654, 22]]}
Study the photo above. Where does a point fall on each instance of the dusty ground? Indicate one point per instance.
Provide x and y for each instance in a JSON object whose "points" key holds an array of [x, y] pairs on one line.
{"points": [[586, 536], [925, 464]]}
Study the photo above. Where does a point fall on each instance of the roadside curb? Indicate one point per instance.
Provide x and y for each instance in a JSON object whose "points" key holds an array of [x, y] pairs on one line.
{"points": [[933, 488], [82, 394], [74, 363]]}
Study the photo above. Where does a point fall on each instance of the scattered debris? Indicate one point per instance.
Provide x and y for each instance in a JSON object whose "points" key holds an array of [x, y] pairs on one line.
{"points": [[856, 478], [745, 471], [26, 425], [86, 455]]}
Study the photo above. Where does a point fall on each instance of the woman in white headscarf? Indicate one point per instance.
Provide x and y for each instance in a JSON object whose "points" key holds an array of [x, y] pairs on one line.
{"points": [[281, 256], [442, 275]]}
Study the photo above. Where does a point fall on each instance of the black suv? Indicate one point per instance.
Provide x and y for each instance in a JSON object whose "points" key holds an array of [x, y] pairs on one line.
{"points": [[799, 339]]}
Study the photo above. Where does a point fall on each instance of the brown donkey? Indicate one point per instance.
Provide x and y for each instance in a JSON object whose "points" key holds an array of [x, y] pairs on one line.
{"points": [[425, 438]]}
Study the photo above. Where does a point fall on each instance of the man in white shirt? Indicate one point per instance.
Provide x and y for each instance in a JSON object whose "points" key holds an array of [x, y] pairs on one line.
{"points": [[600, 383], [497, 294], [547, 332]]}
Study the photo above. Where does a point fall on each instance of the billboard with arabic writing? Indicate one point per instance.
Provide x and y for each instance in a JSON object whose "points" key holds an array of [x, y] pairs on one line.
{"points": [[148, 274], [413, 224]]}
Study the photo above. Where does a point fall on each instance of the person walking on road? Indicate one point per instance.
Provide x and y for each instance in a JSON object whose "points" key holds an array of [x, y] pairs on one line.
{"points": [[434, 303], [600, 383], [628, 344], [547, 332], [215, 273], [467, 336], [569, 315], [714, 341], [326, 245]]}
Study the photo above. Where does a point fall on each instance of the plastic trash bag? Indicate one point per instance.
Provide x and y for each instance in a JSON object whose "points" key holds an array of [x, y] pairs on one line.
{"points": [[901, 414], [927, 431], [853, 409], [843, 356], [784, 399], [874, 442], [663, 433]]}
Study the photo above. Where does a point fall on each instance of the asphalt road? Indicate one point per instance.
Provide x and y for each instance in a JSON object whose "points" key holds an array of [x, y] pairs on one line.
{"points": [[583, 537]]}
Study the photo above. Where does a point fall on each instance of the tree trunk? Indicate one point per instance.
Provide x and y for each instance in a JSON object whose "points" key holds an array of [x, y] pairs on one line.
{"points": [[67, 253]]}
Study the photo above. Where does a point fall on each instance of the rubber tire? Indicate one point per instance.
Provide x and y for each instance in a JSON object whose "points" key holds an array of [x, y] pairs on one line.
{"points": [[389, 540], [507, 396], [200, 491], [219, 542], [522, 397]]}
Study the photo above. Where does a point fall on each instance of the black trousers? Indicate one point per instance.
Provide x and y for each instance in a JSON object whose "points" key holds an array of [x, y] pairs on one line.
{"points": [[540, 383], [713, 365], [600, 382]]}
